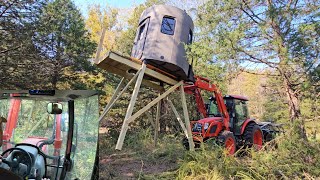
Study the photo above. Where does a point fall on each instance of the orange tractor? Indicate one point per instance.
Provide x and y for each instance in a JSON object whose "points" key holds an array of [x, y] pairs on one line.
{"points": [[226, 119]]}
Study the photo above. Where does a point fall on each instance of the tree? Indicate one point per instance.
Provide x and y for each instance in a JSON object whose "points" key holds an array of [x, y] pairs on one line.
{"points": [[100, 19], [280, 35], [63, 40], [275, 104], [200, 57], [20, 64]]}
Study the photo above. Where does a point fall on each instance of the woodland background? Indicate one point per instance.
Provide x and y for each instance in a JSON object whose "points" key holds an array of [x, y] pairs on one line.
{"points": [[265, 50]]}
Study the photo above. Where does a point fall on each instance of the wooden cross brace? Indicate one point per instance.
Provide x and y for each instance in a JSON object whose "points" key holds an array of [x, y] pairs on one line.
{"points": [[130, 118]]}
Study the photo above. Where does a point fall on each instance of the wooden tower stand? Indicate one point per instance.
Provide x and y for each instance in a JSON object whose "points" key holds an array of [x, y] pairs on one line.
{"points": [[147, 75]]}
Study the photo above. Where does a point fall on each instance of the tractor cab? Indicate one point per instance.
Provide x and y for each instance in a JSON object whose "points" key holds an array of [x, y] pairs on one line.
{"points": [[48, 134], [237, 109]]}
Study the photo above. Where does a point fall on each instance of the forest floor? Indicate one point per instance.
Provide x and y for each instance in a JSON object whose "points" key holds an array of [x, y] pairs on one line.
{"points": [[135, 163], [140, 159], [128, 165]]}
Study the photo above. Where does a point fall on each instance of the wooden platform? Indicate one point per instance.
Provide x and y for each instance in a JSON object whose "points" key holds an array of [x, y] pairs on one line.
{"points": [[126, 67], [142, 73]]}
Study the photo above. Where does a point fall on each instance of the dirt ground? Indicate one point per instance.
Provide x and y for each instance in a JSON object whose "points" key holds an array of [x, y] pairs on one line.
{"points": [[126, 164], [130, 166]]}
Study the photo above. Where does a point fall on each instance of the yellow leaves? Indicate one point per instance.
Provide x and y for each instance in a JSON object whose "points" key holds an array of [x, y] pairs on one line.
{"points": [[99, 19], [93, 23]]}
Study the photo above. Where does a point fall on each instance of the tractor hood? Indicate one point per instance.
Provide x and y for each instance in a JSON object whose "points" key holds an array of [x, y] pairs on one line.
{"points": [[209, 120], [201, 126]]}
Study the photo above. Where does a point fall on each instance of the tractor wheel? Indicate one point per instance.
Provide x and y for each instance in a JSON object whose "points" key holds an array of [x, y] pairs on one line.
{"points": [[227, 139], [253, 136], [185, 143]]}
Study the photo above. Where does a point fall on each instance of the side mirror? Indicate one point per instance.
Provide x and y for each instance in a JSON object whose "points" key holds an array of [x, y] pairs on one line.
{"points": [[54, 108]]}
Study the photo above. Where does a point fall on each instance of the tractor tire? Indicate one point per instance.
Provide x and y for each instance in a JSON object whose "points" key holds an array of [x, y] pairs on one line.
{"points": [[227, 140], [253, 136], [185, 143]]}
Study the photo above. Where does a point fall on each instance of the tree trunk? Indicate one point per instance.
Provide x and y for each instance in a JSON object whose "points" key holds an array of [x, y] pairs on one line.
{"points": [[283, 54], [55, 78], [294, 109], [294, 104], [58, 61]]}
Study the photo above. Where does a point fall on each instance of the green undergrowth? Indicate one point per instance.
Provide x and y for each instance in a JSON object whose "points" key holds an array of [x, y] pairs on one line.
{"points": [[286, 157], [168, 152]]}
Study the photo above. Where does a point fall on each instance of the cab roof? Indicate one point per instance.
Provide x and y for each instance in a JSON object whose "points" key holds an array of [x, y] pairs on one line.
{"points": [[236, 97], [47, 95]]}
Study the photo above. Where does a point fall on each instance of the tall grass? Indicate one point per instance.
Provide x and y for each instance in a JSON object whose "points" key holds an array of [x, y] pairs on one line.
{"points": [[291, 158], [286, 157]]}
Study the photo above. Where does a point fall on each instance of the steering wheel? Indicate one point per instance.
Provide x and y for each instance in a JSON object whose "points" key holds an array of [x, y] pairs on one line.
{"points": [[15, 164]]}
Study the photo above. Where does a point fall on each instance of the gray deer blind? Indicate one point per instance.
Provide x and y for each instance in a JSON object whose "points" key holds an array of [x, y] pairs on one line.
{"points": [[162, 33]]}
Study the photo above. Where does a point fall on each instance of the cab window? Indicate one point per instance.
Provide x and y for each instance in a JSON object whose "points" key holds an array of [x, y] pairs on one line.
{"points": [[241, 110], [212, 109]]}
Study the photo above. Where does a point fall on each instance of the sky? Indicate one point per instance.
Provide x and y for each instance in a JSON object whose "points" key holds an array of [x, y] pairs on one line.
{"points": [[84, 4]]}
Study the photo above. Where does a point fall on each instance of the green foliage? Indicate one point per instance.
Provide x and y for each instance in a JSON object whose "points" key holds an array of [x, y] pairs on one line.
{"points": [[275, 110], [40, 38], [86, 136], [200, 55], [293, 158], [63, 40], [20, 63], [277, 35], [33, 120], [202, 164], [276, 104]]}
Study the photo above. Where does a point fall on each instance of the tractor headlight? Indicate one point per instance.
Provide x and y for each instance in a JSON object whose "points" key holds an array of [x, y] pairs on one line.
{"points": [[206, 125], [197, 127]]}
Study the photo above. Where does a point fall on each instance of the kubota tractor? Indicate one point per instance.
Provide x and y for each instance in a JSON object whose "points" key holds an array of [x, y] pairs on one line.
{"points": [[48, 134], [226, 119]]}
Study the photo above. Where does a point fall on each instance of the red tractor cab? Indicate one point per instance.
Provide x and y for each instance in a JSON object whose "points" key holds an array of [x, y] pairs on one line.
{"points": [[48, 134], [226, 119], [237, 110]]}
